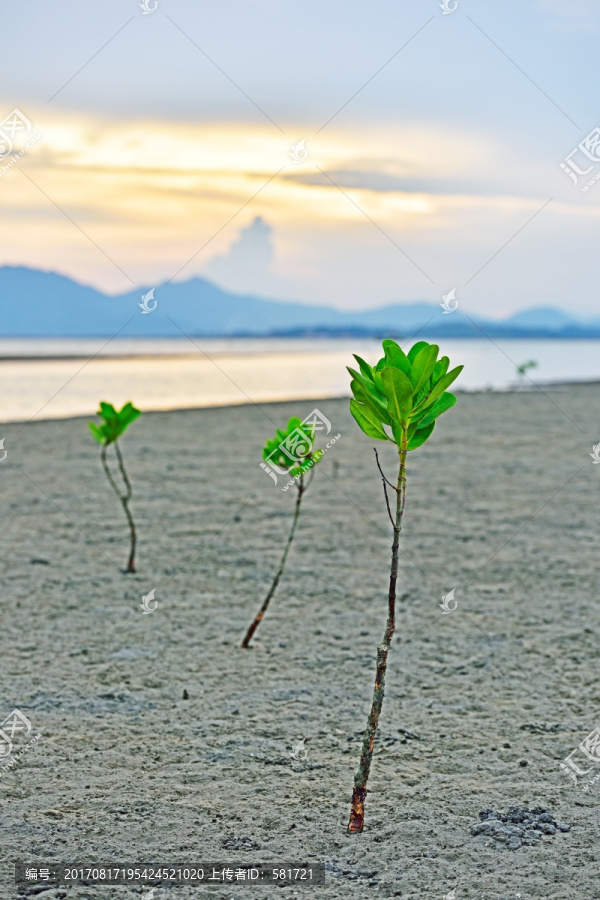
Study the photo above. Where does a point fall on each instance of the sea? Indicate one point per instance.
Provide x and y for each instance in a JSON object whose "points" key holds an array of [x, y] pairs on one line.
{"points": [[51, 379]]}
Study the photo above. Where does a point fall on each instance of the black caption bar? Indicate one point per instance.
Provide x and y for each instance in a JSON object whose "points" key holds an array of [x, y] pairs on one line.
{"points": [[155, 874]]}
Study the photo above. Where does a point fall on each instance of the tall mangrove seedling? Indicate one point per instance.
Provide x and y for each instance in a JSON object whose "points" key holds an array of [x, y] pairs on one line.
{"points": [[114, 425], [291, 451], [397, 400]]}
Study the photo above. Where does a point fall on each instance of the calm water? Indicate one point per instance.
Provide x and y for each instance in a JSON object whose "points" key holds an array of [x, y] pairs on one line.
{"points": [[172, 374]]}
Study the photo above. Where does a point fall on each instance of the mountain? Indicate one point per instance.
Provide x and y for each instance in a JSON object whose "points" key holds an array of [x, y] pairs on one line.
{"points": [[546, 317], [44, 304], [34, 303]]}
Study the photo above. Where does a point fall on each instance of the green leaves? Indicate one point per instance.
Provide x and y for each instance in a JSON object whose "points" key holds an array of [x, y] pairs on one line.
{"points": [[400, 398], [395, 356], [420, 436], [444, 403], [364, 367], [422, 366], [398, 393], [367, 420], [415, 349], [444, 382], [292, 449], [373, 398], [114, 424]]}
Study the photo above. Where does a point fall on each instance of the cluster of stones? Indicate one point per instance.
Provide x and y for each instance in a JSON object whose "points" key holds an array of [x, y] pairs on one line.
{"points": [[518, 827]]}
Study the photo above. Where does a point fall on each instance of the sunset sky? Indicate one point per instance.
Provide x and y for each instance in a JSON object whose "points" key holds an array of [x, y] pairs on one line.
{"points": [[430, 161]]}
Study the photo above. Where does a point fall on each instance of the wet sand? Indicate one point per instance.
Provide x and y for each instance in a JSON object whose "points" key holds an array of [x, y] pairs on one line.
{"points": [[502, 507]]}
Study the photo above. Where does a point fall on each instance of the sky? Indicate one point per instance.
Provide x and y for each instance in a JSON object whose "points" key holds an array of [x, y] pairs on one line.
{"points": [[347, 153]]}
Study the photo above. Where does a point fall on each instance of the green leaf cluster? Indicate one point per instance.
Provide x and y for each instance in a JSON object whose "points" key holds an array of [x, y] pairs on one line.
{"points": [[115, 423], [522, 369], [298, 439], [403, 394]]}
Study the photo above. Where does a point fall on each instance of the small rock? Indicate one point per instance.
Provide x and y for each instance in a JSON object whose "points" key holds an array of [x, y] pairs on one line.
{"points": [[518, 827], [410, 735]]}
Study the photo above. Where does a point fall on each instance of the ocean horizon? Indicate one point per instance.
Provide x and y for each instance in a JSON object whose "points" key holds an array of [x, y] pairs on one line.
{"points": [[60, 378]]}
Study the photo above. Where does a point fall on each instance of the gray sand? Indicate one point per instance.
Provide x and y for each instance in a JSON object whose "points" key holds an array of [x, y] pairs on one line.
{"points": [[502, 506]]}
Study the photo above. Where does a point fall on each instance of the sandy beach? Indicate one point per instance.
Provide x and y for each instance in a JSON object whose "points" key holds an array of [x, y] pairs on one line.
{"points": [[502, 508]]}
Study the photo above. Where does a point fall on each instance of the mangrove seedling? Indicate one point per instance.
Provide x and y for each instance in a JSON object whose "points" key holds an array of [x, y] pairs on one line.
{"points": [[397, 400], [114, 425], [291, 451], [523, 369]]}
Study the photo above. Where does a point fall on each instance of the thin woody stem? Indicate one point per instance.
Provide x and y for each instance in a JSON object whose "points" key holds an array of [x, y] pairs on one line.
{"points": [[258, 618], [357, 812], [125, 501], [123, 498], [393, 486], [385, 484], [123, 472], [311, 475]]}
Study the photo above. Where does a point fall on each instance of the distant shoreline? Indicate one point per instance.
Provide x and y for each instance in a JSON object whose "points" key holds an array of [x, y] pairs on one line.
{"points": [[68, 380], [322, 342], [526, 390]]}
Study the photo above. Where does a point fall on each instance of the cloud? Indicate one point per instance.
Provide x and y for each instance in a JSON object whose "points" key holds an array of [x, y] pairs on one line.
{"points": [[246, 265], [377, 181]]}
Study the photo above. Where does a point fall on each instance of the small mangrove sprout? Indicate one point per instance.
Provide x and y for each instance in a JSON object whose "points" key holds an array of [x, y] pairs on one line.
{"points": [[114, 425], [297, 439], [523, 369]]}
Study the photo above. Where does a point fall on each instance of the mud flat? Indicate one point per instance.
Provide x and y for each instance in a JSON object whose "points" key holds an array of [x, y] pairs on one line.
{"points": [[482, 704]]}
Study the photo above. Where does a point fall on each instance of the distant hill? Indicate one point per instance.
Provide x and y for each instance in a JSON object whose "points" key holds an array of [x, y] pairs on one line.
{"points": [[44, 304]]}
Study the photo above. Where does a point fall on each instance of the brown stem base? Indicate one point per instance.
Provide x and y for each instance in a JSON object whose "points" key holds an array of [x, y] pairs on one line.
{"points": [[254, 626], [357, 811]]}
